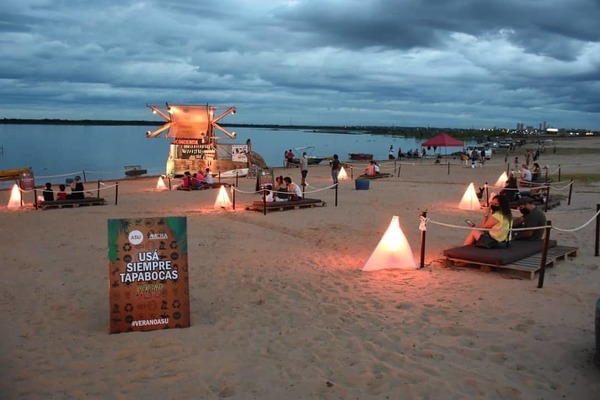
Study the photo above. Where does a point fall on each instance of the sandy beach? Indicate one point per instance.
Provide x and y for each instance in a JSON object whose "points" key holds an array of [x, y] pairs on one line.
{"points": [[281, 310]]}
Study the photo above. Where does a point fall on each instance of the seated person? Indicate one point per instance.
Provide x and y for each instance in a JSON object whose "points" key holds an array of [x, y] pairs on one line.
{"points": [[370, 170], [208, 178], [281, 189], [48, 192], [269, 194], [294, 191], [525, 174], [497, 218], [377, 171], [196, 183], [186, 181], [532, 217], [77, 189], [511, 190], [536, 174], [61, 195]]}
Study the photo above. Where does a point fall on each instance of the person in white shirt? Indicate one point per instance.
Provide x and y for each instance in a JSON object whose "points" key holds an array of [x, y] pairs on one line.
{"points": [[294, 191], [208, 178], [525, 174]]}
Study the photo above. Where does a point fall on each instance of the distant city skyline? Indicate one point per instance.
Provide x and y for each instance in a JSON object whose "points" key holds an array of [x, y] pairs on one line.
{"points": [[470, 65]]}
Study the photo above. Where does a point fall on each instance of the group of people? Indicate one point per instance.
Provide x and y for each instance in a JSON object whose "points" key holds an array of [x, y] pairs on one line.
{"points": [[498, 223], [197, 180], [372, 169], [284, 190], [77, 191]]}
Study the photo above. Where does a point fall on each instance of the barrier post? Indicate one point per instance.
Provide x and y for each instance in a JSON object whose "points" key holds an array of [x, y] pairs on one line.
{"points": [[116, 193], [336, 193], [544, 255], [423, 234], [394, 167], [35, 204], [98, 190], [84, 177], [547, 200], [264, 196], [559, 172], [399, 169], [448, 167], [597, 230], [487, 195], [170, 188], [233, 195], [597, 324], [570, 192]]}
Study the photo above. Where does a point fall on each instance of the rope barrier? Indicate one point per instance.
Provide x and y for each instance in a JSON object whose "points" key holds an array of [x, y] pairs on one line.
{"points": [[578, 228]]}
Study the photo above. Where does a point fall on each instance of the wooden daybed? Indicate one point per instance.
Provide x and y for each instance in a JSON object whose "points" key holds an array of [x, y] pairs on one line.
{"points": [[215, 185], [258, 205], [87, 201], [522, 256], [376, 176]]}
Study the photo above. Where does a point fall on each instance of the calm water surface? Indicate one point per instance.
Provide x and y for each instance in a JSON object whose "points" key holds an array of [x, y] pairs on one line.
{"points": [[55, 151]]}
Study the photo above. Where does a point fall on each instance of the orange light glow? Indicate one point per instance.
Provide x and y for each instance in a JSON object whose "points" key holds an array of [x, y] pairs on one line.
{"points": [[501, 182], [393, 251], [342, 175], [469, 200], [160, 185], [223, 199], [15, 197]]}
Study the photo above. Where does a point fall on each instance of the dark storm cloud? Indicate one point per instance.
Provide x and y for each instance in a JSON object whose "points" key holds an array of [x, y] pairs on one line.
{"points": [[458, 63]]}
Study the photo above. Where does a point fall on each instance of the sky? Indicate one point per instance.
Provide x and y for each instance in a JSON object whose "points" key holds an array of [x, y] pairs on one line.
{"points": [[458, 64]]}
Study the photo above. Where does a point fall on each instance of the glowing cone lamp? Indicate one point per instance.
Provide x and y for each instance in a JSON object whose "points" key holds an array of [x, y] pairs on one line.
{"points": [[223, 199], [469, 200], [393, 251], [160, 185], [15, 197], [342, 175], [501, 182]]}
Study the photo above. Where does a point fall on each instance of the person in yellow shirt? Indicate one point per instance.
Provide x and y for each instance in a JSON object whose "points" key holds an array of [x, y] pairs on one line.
{"points": [[497, 219]]}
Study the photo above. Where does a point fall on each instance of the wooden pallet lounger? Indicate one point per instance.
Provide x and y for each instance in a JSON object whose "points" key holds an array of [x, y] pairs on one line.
{"points": [[285, 205], [376, 176], [88, 201], [522, 256]]}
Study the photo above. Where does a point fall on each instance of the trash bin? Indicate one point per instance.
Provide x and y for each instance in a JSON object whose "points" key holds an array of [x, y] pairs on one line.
{"points": [[361, 184], [27, 182]]}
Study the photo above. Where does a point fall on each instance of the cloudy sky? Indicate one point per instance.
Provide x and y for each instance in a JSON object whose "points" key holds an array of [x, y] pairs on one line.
{"points": [[455, 63]]}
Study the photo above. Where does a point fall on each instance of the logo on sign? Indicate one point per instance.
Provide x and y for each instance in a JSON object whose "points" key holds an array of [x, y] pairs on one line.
{"points": [[136, 237]]}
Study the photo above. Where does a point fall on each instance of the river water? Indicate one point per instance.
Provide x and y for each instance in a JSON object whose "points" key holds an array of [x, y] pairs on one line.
{"points": [[56, 151]]}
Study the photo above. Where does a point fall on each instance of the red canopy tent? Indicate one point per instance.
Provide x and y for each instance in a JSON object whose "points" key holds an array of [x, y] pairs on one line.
{"points": [[442, 140]]}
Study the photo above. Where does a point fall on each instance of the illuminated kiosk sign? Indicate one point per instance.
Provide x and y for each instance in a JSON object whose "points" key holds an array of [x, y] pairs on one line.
{"points": [[148, 274]]}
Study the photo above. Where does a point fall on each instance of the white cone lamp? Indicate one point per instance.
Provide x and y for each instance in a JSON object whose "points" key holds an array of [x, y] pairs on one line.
{"points": [[342, 175], [392, 252], [501, 182], [15, 197], [469, 200], [223, 199], [160, 185]]}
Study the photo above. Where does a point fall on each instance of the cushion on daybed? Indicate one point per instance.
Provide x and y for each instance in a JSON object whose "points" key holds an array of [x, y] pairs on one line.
{"points": [[517, 250]]}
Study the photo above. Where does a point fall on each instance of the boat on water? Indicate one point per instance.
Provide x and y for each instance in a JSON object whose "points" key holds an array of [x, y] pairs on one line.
{"points": [[241, 172], [135, 171], [312, 160], [360, 156]]}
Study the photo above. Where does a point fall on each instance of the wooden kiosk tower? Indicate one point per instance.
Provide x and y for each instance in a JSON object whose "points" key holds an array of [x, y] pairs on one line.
{"points": [[194, 145]]}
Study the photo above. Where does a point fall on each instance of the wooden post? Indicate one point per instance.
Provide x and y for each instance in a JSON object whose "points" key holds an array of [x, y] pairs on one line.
{"points": [[448, 167], [544, 255], [570, 192], [264, 201], [116, 193], [597, 232], [559, 172], [233, 194], [98, 190], [487, 195], [35, 204], [423, 234], [336, 193], [399, 169]]}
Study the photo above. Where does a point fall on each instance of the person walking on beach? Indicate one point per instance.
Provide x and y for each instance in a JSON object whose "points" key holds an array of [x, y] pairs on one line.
{"points": [[391, 152], [335, 168], [304, 167]]}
